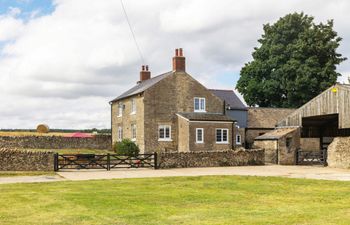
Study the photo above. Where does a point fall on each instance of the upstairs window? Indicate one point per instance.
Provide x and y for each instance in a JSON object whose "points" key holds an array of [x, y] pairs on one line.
{"points": [[199, 135], [133, 132], [164, 133], [120, 109], [199, 104], [222, 136], [120, 133], [133, 106]]}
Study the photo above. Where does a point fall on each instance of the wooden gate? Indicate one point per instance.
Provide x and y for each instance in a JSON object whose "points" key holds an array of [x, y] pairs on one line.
{"points": [[312, 157], [107, 161]]}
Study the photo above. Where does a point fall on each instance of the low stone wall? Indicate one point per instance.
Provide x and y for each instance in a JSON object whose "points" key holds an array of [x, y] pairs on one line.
{"points": [[16, 160], [56, 142], [211, 159], [339, 153]]}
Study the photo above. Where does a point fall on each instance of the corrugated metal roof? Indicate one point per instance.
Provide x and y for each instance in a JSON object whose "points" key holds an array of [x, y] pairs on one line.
{"points": [[142, 86], [206, 116], [230, 98]]}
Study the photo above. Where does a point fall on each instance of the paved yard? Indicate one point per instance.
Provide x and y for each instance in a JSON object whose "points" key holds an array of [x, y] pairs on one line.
{"points": [[310, 172]]}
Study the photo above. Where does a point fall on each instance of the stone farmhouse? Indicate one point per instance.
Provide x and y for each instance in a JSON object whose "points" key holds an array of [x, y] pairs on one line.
{"points": [[172, 112]]}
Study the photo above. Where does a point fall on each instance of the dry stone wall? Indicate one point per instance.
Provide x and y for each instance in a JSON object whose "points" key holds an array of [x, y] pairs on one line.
{"points": [[339, 153], [211, 159], [18, 160], [56, 142]]}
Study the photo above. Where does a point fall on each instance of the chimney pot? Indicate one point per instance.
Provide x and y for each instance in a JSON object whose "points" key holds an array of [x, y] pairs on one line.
{"points": [[180, 50]]}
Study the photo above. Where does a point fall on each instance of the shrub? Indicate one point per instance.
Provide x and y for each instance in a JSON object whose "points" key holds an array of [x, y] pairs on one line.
{"points": [[126, 147]]}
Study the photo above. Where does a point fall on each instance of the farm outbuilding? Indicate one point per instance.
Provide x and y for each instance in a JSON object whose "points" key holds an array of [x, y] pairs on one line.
{"points": [[323, 119]]}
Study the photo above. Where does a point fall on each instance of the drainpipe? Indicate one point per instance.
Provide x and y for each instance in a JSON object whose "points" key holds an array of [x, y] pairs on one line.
{"points": [[233, 135], [111, 103]]}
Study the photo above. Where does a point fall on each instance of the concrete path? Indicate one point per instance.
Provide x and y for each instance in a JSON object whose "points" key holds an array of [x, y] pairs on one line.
{"points": [[309, 172], [29, 179]]}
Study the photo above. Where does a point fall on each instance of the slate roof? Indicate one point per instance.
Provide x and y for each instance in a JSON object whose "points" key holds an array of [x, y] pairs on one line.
{"points": [[142, 86], [259, 117], [230, 98], [206, 117], [276, 134]]}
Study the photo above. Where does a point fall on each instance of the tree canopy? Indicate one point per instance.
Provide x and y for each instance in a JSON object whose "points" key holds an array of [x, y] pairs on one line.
{"points": [[295, 62]]}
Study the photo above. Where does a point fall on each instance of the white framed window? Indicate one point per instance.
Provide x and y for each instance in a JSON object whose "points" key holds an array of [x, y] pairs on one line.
{"points": [[164, 132], [222, 136], [133, 132], [120, 109], [199, 104], [238, 139], [133, 106], [199, 135], [120, 133]]}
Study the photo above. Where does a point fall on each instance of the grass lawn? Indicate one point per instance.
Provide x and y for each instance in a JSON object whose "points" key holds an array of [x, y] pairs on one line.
{"points": [[183, 200]]}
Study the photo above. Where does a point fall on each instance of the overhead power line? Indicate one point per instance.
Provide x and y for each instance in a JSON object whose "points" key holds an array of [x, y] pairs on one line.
{"points": [[132, 33]]}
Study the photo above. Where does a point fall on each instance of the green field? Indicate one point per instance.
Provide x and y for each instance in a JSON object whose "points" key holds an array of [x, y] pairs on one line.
{"points": [[182, 200], [73, 151]]}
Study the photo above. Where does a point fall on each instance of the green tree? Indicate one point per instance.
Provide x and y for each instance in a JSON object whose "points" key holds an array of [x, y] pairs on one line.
{"points": [[295, 62]]}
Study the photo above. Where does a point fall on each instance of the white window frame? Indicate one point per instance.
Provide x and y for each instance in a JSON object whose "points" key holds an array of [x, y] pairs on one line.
{"points": [[238, 136], [200, 141], [201, 104], [164, 127], [120, 109], [222, 136], [133, 132], [133, 106], [120, 133]]}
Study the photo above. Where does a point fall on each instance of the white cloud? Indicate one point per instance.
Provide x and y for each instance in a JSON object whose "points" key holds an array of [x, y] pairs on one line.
{"points": [[63, 68]]}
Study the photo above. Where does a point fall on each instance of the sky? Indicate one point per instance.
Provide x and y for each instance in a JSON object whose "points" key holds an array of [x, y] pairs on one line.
{"points": [[62, 61]]}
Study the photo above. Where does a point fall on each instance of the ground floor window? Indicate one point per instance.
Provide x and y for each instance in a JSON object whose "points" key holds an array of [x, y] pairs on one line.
{"points": [[238, 139], [164, 132], [199, 135], [133, 132], [120, 133], [221, 135]]}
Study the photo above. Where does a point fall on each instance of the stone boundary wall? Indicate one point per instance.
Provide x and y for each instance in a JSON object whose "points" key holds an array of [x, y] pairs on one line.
{"points": [[211, 159], [338, 153], [56, 142], [17, 160]]}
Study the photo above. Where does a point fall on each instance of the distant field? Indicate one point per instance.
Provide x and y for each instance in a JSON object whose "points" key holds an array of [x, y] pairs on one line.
{"points": [[73, 151], [28, 133]]}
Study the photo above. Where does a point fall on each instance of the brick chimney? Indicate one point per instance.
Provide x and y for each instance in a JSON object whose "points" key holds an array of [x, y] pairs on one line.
{"points": [[179, 61], [144, 73]]}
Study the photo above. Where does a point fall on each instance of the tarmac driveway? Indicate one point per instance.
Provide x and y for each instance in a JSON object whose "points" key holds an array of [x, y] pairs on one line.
{"points": [[308, 172]]}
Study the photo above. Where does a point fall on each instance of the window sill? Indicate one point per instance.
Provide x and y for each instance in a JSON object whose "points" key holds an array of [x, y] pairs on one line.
{"points": [[133, 113], [119, 116], [200, 111], [199, 142], [222, 143], [165, 139], [133, 139]]}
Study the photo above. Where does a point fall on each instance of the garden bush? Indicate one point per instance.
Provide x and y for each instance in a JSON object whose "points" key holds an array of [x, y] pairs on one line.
{"points": [[126, 147]]}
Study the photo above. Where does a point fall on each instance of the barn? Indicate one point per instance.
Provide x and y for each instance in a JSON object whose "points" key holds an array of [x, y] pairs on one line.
{"points": [[324, 124]]}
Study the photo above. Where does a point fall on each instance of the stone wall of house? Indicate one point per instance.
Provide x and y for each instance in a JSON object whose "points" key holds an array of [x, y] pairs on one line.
{"points": [[310, 144], [18, 160], [209, 141], [287, 154], [183, 134], [339, 153], [241, 132], [56, 142], [128, 118], [169, 96], [211, 159]]}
